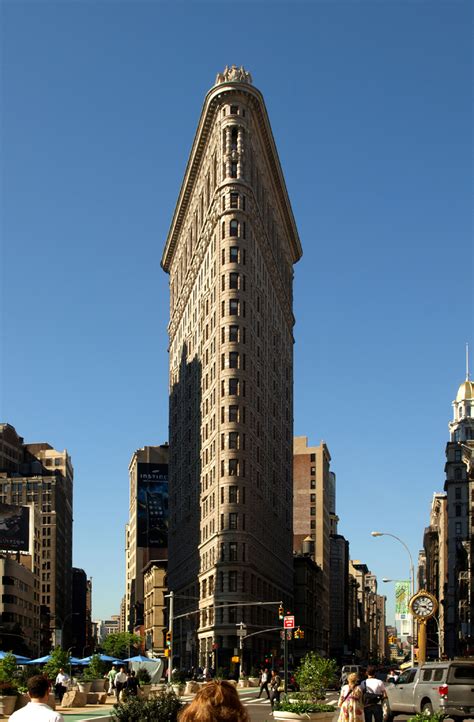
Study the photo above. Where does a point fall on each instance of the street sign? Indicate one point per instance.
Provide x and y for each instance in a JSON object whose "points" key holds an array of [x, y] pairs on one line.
{"points": [[289, 622]]}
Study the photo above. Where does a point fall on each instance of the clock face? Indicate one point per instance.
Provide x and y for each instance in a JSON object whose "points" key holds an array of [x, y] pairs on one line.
{"points": [[423, 606]]}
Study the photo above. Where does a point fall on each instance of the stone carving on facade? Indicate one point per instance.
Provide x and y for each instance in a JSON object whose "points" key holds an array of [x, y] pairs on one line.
{"points": [[234, 75]]}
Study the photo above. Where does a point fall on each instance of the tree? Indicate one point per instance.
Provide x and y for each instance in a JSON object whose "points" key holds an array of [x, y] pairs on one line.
{"points": [[315, 674], [59, 660], [121, 643]]}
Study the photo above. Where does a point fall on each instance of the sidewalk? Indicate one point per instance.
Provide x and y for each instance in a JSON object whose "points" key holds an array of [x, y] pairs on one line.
{"points": [[92, 712]]}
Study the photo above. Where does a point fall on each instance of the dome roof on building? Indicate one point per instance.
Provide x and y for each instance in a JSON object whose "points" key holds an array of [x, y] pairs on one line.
{"points": [[465, 391]]}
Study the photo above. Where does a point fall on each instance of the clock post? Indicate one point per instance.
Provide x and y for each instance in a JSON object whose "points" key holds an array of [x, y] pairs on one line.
{"points": [[423, 606]]}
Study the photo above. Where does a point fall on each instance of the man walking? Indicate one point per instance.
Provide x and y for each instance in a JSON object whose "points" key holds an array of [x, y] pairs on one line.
{"points": [[373, 692], [264, 683], [120, 682], [275, 683]]}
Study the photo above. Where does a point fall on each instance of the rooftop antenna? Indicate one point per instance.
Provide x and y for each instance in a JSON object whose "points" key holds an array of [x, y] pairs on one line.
{"points": [[467, 363]]}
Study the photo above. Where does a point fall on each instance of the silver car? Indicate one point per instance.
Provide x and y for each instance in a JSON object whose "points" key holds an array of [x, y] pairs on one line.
{"points": [[442, 687]]}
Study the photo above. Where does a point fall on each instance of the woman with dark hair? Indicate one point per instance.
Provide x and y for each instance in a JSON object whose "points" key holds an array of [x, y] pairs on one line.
{"points": [[216, 701]]}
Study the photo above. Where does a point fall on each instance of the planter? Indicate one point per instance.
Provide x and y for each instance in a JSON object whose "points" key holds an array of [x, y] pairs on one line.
{"points": [[145, 690], [243, 683], [84, 687], [97, 685], [178, 689], [254, 682], [191, 687], [7, 704]]}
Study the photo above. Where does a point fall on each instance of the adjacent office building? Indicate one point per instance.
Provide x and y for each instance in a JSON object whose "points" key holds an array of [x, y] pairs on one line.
{"points": [[230, 254], [39, 475], [313, 497], [147, 528]]}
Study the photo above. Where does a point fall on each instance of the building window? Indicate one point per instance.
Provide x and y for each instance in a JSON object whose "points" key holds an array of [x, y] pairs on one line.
{"points": [[233, 467], [312, 511], [234, 254], [234, 200], [457, 492], [457, 455], [234, 280], [313, 498], [233, 307], [233, 171], [234, 109], [234, 228], [313, 524], [233, 333], [313, 471], [457, 474], [234, 360], [233, 491], [233, 440], [233, 551], [458, 510], [232, 583], [312, 457], [458, 528], [233, 388], [233, 516], [233, 412], [313, 483]]}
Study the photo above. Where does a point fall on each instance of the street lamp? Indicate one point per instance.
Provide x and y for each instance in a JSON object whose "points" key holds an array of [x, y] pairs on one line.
{"points": [[412, 578]]}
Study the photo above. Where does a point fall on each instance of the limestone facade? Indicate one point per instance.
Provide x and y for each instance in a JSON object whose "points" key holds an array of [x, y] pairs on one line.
{"points": [[230, 254]]}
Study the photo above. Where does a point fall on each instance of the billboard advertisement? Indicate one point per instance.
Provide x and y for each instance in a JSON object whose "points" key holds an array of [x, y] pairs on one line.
{"points": [[402, 596], [14, 528], [152, 506]]}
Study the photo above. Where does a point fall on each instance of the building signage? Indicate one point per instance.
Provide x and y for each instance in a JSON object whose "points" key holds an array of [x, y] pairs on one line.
{"points": [[289, 622], [402, 596], [152, 506], [14, 528]]}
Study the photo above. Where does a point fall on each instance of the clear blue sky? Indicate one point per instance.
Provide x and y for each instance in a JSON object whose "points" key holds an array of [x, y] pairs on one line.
{"points": [[371, 107]]}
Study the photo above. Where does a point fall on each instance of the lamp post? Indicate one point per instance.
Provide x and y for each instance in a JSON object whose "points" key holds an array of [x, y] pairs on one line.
{"points": [[412, 579]]}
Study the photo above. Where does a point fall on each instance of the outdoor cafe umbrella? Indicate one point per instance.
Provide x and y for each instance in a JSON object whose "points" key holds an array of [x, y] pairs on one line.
{"points": [[40, 660], [102, 657], [19, 657], [140, 658]]}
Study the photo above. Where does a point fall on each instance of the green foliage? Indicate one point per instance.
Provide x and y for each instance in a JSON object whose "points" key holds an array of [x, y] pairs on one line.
{"points": [[143, 675], [163, 708], [8, 681], [301, 707], [24, 673], [59, 658], [119, 644], [95, 669], [315, 674], [435, 717]]}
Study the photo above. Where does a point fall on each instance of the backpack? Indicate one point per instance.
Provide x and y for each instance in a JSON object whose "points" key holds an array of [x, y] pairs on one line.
{"points": [[369, 697]]}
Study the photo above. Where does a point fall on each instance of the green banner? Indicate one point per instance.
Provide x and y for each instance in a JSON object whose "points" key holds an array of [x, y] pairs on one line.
{"points": [[402, 597]]}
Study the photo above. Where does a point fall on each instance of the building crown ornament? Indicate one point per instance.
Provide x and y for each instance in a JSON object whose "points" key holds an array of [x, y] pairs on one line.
{"points": [[234, 75]]}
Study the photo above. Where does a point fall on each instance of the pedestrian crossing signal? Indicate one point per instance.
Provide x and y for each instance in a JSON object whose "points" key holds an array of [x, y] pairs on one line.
{"points": [[167, 652]]}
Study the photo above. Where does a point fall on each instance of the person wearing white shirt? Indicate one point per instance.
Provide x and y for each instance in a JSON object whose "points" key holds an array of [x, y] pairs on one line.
{"points": [[37, 709], [61, 684], [120, 682], [374, 692]]}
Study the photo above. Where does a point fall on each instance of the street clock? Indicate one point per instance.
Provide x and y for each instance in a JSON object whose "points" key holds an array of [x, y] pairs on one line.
{"points": [[423, 605]]}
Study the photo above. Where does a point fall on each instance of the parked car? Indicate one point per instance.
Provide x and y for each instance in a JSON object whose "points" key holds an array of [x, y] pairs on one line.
{"points": [[348, 669], [442, 687]]}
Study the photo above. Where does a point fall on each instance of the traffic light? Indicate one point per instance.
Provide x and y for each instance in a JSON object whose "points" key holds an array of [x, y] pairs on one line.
{"points": [[168, 639], [281, 612], [301, 633], [297, 633]]}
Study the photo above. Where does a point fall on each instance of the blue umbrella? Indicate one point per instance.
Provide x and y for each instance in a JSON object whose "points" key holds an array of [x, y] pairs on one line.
{"points": [[75, 660], [40, 660], [140, 658], [19, 657]]}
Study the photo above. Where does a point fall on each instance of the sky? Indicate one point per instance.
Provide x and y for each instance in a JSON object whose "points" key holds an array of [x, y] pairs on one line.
{"points": [[371, 108]]}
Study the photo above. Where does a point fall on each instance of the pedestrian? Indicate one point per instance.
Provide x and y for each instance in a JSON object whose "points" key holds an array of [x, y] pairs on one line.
{"points": [[350, 700], [264, 683], [216, 701], [131, 685], [373, 691], [37, 709], [61, 684], [120, 682], [392, 676], [275, 682], [111, 674]]}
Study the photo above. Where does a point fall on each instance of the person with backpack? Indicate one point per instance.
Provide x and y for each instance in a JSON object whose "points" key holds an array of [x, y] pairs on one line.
{"points": [[373, 693], [350, 700]]}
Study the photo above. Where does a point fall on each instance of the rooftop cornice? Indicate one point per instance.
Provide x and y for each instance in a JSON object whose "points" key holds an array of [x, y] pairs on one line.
{"points": [[211, 103]]}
